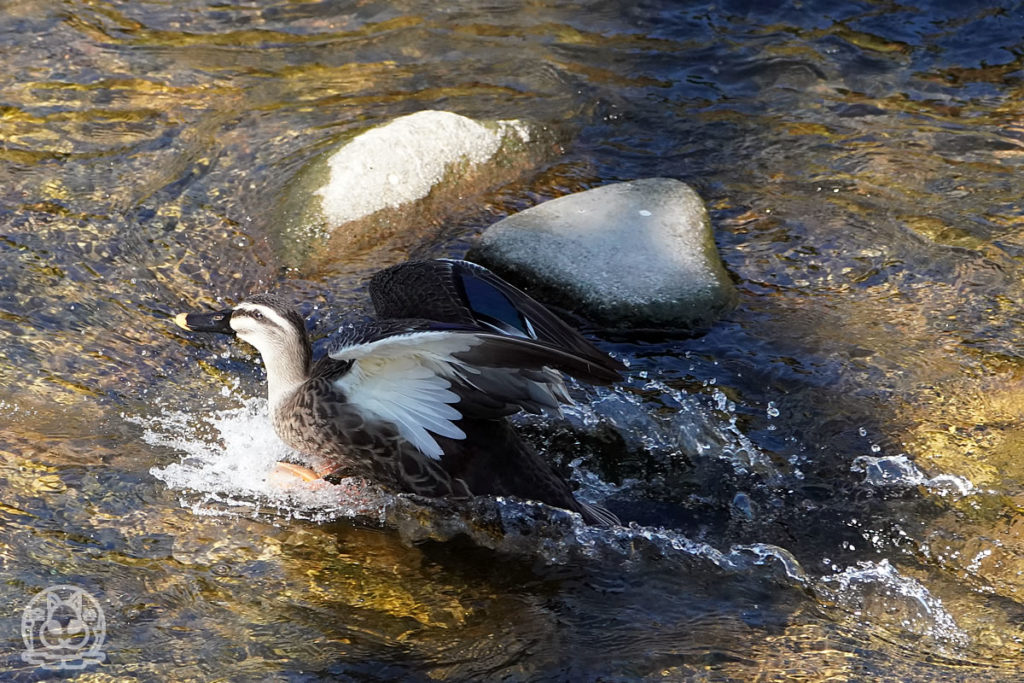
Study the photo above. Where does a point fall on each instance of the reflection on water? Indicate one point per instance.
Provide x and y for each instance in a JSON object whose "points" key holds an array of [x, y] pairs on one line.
{"points": [[827, 483]]}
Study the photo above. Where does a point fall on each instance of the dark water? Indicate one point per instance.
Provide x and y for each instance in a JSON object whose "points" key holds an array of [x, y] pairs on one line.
{"points": [[826, 485]]}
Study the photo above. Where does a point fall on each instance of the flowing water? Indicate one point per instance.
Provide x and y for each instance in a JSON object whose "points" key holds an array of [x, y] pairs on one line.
{"points": [[828, 484]]}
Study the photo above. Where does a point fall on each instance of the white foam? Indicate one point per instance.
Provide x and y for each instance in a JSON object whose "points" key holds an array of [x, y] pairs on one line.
{"points": [[226, 461], [899, 471]]}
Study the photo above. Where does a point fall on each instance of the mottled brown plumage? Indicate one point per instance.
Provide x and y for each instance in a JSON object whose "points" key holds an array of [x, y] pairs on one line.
{"points": [[417, 401]]}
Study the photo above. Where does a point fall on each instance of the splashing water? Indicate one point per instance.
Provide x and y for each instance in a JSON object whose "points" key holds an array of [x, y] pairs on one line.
{"points": [[235, 472], [686, 426], [876, 592], [228, 456], [227, 459], [898, 471]]}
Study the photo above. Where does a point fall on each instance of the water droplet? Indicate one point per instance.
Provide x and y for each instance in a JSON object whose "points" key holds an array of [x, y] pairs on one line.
{"points": [[741, 503]]}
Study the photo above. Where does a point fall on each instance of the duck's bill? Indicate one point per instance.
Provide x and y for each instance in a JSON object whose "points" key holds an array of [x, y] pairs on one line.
{"points": [[219, 321]]}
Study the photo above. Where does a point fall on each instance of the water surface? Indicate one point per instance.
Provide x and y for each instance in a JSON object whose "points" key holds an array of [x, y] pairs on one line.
{"points": [[826, 484]]}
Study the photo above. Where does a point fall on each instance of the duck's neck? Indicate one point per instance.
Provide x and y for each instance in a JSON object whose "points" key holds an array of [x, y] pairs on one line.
{"points": [[287, 369]]}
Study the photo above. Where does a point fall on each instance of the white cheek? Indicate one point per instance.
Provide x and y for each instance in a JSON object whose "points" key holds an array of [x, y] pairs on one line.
{"points": [[247, 333], [261, 338]]}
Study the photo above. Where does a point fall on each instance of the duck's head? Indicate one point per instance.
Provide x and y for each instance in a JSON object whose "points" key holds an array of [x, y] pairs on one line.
{"points": [[268, 323]]}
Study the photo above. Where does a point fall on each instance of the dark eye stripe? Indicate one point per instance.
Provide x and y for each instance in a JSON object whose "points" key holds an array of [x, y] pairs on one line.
{"points": [[248, 313]]}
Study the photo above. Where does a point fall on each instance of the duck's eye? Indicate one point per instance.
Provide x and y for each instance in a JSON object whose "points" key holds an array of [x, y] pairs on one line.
{"points": [[256, 315]]}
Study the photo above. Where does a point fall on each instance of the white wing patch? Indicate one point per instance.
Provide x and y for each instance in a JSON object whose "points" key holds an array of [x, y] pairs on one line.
{"points": [[401, 379], [433, 345]]}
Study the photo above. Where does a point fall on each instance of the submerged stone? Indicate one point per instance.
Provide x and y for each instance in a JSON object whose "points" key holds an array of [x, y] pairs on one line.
{"points": [[394, 184], [634, 254], [402, 161]]}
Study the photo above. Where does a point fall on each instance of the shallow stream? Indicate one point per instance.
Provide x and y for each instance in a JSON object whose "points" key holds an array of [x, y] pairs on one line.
{"points": [[825, 485]]}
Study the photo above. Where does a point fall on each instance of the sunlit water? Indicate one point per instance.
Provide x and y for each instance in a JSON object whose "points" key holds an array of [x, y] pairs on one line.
{"points": [[826, 484]]}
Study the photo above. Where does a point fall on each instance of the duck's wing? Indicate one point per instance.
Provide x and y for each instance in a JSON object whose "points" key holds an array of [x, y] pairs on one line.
{"points": [[465, 293], [424, 376]]}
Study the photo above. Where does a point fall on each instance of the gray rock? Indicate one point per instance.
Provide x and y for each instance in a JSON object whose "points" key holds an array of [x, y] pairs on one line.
{"points": [[403, 161], [388, 187], [635, 254]]}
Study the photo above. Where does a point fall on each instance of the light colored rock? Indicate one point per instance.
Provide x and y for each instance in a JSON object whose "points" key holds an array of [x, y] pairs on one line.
{"points": [[402, 161], [387, 189], [634, 254]]}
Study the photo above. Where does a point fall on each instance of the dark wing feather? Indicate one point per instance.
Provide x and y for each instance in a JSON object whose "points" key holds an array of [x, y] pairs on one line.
{"points": [[468, 294], [419, 289], [497, 351], [494, 460]]}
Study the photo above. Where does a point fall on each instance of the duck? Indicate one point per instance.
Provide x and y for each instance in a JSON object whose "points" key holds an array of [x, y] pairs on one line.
{"points": [[418, 399]]}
